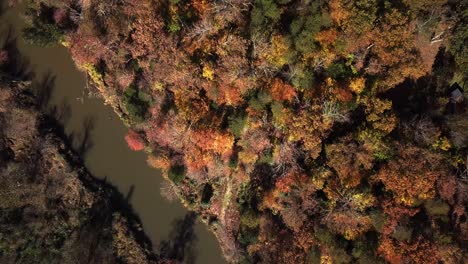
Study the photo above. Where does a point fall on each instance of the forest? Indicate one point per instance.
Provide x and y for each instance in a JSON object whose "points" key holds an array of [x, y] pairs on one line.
{"points": [[53, 210], [300, 131]]}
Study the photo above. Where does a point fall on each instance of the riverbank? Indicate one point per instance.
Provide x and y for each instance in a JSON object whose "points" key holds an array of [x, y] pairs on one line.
{"points": [[98, 134], [295, 134], [51, 208]]}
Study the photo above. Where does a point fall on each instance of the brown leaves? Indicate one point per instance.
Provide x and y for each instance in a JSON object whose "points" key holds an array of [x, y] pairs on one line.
{"points": [[285, 182], [282, 91], [327, 37], [379, 113], [190, 107], [349, 160], [412, 176], [85, 46], [421, 251], [212, 140], [148, 29], [209, 69], [348, 224], [210, 149], [309, 128], [394, 49], [172, 133], [338, 12], [447, 187]]}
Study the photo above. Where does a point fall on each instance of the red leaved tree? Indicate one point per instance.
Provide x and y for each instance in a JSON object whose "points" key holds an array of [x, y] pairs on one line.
{"points": [[134, 141]]}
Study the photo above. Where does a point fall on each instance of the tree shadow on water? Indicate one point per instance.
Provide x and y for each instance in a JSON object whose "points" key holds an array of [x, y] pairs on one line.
{"points": [[61, 115], [2, 6], [63, 112], [180, 245], [17, 65], [82, 140], [130, 192], [44, 88]]}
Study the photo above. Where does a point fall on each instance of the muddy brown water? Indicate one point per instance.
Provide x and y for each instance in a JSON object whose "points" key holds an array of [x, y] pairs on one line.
{"points": [[108, 155]]}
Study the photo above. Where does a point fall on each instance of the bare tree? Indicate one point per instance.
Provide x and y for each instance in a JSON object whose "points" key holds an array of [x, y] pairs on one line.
{"points": [[333, 112]]}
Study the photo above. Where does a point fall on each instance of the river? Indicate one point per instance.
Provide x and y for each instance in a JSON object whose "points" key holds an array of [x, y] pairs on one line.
{"points": [[107, 155]]}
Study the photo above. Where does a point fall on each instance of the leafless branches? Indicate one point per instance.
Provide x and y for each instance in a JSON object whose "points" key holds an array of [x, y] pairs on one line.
{"points": [[201, 29], [332, 111]]}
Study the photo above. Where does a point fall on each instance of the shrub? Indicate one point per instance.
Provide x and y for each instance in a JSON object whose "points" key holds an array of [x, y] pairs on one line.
{"points": [[264, 13], [402, 233], [378, 220], [207, 194], [176, 173], [237, 124], [173, 26], [135, 104], [266, 157], [96, 76], [233, 162], [374, 140], [458, 46], [134, 141], [259, 102], [302, 77], [278, 113], [280, 52], [42, 34], [249, 219], [339, 71], [437, 208], [304, 28], [248, 236]]}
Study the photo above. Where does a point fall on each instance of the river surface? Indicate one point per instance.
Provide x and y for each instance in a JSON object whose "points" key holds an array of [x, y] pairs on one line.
{"points": [[107, 155]]}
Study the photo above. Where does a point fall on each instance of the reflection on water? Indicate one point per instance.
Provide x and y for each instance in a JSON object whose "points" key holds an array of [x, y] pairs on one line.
{"points": [[98, 136]]}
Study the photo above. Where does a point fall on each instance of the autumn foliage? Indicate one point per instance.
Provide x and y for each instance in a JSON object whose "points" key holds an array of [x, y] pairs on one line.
{"points": [[281, 91], [412, 176], [134, 141], [320, 127]]}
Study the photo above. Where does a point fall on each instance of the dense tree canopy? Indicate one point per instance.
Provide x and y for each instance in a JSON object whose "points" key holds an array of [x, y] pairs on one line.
{"points": [[326, 130]]}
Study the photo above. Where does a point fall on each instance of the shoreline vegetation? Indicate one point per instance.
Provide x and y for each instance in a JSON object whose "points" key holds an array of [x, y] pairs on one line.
{"points": [[299, 131], [52, 209]]}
